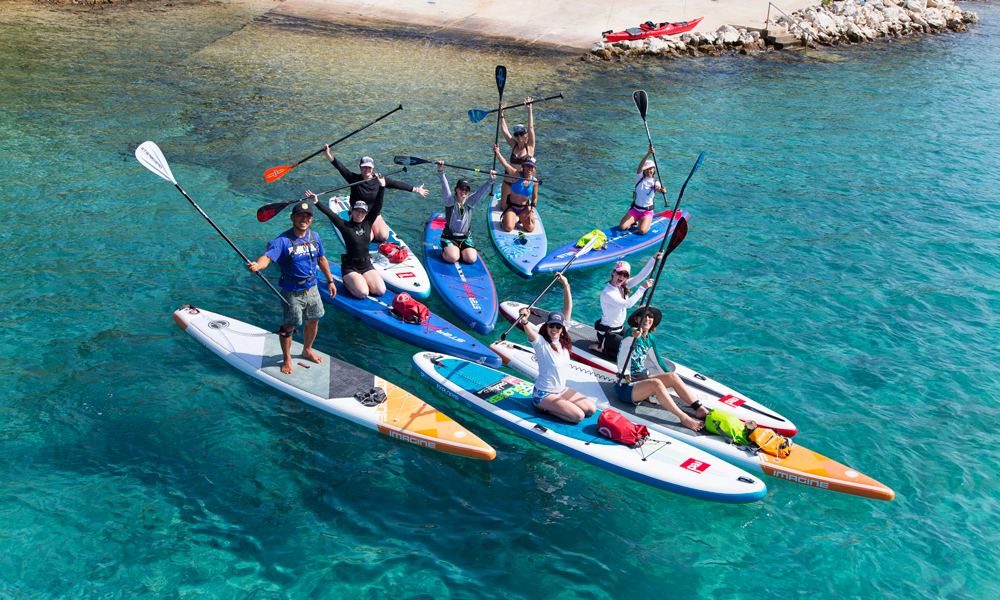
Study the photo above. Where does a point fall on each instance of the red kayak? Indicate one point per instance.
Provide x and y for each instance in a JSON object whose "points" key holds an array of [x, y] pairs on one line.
{"points": [[650, 29]]}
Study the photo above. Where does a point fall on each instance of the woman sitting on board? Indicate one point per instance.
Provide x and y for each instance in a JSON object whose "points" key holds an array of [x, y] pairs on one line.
{"points": [[366, 191], [551, 343], [456, 239], [639, 386], [616, 299], [360, 276], [644, 205], [522, 145], [523, 196]]}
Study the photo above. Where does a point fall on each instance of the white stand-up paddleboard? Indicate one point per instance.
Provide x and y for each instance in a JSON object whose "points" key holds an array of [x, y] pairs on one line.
{"points": [[661, 461], [332, 385]]}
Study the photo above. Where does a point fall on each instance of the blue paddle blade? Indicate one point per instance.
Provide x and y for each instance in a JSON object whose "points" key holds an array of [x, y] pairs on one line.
{"points": [[476, 115]]}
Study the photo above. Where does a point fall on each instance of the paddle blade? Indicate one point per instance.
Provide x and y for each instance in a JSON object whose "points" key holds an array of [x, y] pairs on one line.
{"points": [[266, 212], [501, 76], [149, 155], [476, 115], [409, 160], [680, 231], [641, 102], [275, 173]]}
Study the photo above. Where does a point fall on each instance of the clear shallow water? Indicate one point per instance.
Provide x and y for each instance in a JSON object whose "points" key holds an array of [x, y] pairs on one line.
{"points": [[841, 267]]}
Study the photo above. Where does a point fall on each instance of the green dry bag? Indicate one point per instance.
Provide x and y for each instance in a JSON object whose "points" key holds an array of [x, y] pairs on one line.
{"points": [[728, 426], [600, 243]]}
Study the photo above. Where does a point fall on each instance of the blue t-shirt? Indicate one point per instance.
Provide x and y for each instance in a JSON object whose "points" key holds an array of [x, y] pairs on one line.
{"points": [[297, 260]]}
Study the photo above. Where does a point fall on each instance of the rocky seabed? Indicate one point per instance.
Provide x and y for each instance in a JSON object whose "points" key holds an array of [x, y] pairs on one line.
{"points": [[847, 22]]}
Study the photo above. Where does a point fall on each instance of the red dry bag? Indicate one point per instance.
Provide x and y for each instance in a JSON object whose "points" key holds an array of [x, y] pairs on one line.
{"points": [[616, 427], [409, 309], [394, 252]]}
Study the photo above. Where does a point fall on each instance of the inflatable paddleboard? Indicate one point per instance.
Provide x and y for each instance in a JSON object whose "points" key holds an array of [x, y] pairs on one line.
{"points": [[467, 290], [331, 386], [662, 462], [407, 276], [711, 393], [802, 466], [435, 334], [620, 245], [520, 251]]}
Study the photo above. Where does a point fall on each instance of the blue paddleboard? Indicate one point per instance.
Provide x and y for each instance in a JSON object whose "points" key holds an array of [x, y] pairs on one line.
{"points": [[620, 245], [520, 251], [436, 334], [467, 290], [661, 461]]}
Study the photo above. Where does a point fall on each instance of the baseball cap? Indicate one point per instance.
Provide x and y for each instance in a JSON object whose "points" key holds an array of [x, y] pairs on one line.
{"points": [[361, 204], [463, 183], [648, 165], [555, 318], [623, 266], [518, 129], [531, 161], [366, 161], [303, 207]]}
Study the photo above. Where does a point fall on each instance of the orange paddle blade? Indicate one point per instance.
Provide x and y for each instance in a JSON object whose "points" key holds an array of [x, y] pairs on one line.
{"points": [[275, 173]]}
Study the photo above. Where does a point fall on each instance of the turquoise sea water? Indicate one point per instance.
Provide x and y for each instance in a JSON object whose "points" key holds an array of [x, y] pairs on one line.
{"points": [[841, 267]]}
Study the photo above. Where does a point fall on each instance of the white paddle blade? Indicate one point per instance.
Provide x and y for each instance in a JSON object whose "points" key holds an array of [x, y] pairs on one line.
{"points": [[150, 156]]}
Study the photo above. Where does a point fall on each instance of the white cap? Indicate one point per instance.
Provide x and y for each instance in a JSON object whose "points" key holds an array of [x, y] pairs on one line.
{"points": [[648, 165], [366, 161], [623, 266]]}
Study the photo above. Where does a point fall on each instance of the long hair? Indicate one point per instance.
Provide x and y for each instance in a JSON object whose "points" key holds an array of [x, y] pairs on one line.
{"points": [[564, 340], [622, 288]]}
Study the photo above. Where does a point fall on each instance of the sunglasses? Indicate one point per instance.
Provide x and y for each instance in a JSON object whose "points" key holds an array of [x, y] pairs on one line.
{"points": [[520, 134], [464, 189], [556, 325], [622, 273]]}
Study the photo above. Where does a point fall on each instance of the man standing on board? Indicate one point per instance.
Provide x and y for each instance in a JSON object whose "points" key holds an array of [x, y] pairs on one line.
{"points": [[298, 252]]}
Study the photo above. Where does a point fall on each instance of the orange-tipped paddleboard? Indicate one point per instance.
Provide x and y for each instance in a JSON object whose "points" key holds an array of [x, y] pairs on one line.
{"points": [[332, 385]]}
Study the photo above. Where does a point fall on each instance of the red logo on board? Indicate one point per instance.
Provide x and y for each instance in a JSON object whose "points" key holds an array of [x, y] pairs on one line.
{"points": [[405, 275], [732, 401], [697, 466]]}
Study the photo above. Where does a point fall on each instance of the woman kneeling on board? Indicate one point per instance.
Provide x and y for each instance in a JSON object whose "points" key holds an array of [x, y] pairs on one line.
{"points": [[615, 300], [646, 187], [639, 385], [360, 276], [552, 346], [456, 239], [523, 195]]}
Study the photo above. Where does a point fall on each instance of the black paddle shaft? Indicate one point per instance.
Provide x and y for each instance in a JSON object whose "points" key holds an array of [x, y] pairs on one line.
{"points": [[226, 237], [398, 108], [501, 77]]}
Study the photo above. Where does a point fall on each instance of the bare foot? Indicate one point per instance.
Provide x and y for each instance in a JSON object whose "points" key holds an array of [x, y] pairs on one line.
{"points": [[310, 355], [286, 367], [595, 348], [702, 412], [691, 423]]}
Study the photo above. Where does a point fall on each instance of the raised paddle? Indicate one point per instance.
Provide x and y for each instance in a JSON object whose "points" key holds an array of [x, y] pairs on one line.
{"points": [[266, 213], [584, 250], [149, 155], [275, 173], [476, 115], [413, 160], [642, 103], [501, 77]]}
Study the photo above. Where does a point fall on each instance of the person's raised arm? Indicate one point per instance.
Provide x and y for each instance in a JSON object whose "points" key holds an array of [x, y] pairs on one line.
{"points": [[646, 270], [506, 165], [503, 127], [643, 161], [376, 208], [530, 137], [529, 329], [478, 194], [346, 173], [567, 297], [326, 210]]}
